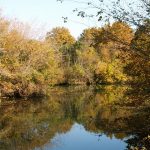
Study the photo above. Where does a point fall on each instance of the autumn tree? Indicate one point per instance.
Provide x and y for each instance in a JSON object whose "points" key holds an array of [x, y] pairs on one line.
{"points": [[111, 44], [113, 39], [131, 12], [88, 36], [27, 66], [126, 13], [61, 41], [139, 64], [59, 37]]}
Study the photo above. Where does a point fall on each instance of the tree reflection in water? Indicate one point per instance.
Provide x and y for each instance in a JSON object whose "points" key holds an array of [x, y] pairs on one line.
{"points": [[110, 110]]}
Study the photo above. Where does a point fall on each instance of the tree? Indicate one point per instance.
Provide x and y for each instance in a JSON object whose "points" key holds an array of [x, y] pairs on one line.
{"points": [[59, 37], [27, 67], [139, 66], [88, 36], [111, 40], [124, 13], [61, 41], [116, 10], [141, 39]]}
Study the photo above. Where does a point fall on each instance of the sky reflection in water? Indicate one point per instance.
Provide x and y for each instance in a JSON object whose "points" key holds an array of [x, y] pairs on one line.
{"points": [[80, 139]]}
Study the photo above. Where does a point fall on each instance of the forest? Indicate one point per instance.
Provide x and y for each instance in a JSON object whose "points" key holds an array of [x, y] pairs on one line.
{"points": [[115, 53]]}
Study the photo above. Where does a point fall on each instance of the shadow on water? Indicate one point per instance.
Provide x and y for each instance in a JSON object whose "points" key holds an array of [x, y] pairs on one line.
{"points": [[80, 118]]}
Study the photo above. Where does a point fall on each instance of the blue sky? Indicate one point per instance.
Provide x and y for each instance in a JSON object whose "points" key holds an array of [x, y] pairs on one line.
{"points": [[45, 14]]}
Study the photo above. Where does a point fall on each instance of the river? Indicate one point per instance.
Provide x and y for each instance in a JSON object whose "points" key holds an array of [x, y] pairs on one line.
{"points": [[77, 118]]}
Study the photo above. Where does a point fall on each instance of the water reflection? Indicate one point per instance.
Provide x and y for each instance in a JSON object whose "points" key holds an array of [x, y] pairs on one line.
{"points": [[110, 117], [79, 138]]}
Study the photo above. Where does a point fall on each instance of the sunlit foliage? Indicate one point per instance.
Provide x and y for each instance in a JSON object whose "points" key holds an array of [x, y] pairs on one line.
{"points": [[107, 55]]}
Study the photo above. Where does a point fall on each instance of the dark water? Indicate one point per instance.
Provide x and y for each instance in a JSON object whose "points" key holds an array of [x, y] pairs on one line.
{"points": [[77, 118]]}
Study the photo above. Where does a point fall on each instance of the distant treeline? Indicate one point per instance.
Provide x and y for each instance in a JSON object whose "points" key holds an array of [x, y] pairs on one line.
{"points": [[111, 54]]}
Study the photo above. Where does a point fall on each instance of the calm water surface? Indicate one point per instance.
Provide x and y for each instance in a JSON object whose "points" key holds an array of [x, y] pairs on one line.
{"points": [[77, 118], [79, 138]]}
